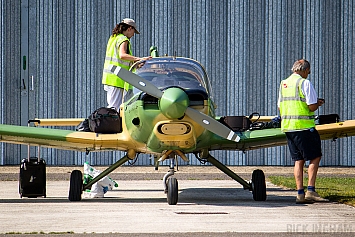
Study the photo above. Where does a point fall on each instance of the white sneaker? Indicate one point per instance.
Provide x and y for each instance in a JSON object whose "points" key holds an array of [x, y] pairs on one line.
{"points": [[300, 199], [314, 196]]}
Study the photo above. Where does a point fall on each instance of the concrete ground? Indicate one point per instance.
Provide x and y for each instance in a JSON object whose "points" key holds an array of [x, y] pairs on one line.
{"points": [[210, 204]]}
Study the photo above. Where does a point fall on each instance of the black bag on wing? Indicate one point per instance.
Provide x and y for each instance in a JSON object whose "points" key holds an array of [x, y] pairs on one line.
{"points": [[105, 120], [328, 118], [236, 123], [83, 126]]}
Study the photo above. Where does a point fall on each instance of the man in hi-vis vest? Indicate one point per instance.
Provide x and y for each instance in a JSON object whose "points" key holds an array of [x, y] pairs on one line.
{"points": [[119, 53], [297, 103]]}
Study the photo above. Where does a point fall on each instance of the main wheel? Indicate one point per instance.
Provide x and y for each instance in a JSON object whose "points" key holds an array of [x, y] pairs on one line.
{"points": [[76, 185], [258, 185], [172, 195]]}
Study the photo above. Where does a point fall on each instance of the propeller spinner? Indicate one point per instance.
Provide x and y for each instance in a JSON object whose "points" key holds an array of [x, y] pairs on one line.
{"points": [[174, 103]]}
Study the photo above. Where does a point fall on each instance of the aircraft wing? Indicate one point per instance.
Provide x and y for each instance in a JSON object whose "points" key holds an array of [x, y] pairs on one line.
{"points": [[67, 139], [263, 138], [337, 130], [90, 141]]}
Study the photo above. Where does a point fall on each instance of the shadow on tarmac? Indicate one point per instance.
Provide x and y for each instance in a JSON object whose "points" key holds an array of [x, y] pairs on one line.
{"points": [[198, 196]]}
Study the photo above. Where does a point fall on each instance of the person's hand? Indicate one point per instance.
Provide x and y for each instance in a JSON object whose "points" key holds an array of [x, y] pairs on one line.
{"points": [[139, 62], [321, 101], [147, 58], [137, 59]]}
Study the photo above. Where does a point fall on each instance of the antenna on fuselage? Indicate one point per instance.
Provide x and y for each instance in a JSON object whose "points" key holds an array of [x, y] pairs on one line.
{"points": [[154, 51]]}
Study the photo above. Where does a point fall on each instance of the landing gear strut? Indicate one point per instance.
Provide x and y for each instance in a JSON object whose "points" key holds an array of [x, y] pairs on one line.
{"points": [[257, 184], [76, 180]]}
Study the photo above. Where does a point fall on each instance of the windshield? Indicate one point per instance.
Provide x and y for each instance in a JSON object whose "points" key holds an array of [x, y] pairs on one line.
{"points": [[167, 72]]}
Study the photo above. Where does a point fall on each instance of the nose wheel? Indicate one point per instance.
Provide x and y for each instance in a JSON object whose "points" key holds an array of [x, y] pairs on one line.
{"points": [[171, 185], [172, 193]]}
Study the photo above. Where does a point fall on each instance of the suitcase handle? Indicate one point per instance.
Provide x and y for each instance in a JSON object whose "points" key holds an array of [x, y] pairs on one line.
{"points": [[28, 146], [33, 121]]}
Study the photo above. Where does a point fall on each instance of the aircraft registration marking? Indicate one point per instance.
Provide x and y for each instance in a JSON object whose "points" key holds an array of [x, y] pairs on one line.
{"points": [[172, 143]]}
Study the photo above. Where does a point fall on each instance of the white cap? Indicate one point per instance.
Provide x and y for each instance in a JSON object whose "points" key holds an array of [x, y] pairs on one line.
{"points": [[132, 23]]}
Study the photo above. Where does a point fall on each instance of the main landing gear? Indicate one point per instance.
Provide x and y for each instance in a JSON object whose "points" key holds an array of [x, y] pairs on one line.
{"points": [[76, 185], [257, 184], [76, 179]]}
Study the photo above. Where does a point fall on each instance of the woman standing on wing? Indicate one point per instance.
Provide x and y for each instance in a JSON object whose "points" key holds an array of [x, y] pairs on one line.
{"points": [[119, 53]]}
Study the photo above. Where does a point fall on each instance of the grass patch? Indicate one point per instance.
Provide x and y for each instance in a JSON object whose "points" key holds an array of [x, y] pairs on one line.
{"points": [[335, 189]]}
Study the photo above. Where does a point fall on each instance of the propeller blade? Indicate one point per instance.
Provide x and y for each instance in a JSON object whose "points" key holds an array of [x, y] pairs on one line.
{"points": [[136, 81], [212, 125]]}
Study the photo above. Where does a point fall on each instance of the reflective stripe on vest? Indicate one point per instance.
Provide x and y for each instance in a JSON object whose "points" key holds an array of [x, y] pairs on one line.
{"points": [[112, 57], [295, 113], [118, 60]]}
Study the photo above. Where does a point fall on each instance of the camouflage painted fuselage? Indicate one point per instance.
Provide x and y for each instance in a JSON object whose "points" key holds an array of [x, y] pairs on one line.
{"points": [[159, 125]]}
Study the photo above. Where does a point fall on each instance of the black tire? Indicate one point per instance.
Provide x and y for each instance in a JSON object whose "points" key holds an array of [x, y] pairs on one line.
{"points": [[258, 185], [76, 185], [172, 195]]}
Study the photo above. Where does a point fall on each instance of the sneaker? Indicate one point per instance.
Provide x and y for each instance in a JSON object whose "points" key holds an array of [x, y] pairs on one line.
{"points": [[300, 199], [314, 196]]}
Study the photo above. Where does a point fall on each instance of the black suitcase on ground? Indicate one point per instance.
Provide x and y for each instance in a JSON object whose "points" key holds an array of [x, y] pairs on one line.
{"points": [[32, 178], [32, 182]]}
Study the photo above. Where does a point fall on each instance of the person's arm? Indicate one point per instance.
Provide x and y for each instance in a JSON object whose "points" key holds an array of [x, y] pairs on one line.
{"points": [[314, 107], [311, 96], [279, 98], [125, 56]]}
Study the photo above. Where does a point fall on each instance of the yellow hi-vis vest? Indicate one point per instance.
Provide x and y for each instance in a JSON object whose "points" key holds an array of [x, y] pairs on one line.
{"points": [[294, 111], [112, 57]]}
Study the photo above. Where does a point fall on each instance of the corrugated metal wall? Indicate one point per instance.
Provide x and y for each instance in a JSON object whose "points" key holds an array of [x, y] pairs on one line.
{"points": [[247, 48], [10, 74]]}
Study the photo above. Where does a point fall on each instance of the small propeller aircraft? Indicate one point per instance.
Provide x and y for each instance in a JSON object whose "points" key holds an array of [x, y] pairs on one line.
{"points": [[170, 114]]}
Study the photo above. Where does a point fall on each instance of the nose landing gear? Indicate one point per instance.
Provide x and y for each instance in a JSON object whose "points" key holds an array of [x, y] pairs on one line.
{"points": [[171, 184]]}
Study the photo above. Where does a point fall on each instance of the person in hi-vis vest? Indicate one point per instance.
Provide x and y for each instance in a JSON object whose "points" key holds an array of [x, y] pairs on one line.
{"points": [[119, 53], [297, 102]]}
